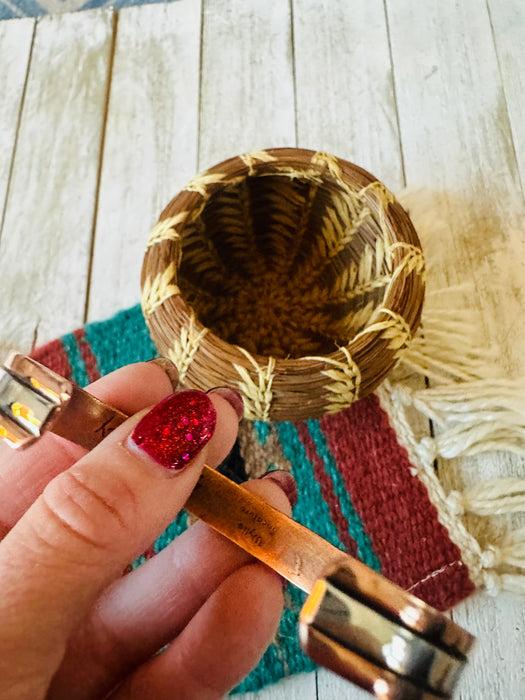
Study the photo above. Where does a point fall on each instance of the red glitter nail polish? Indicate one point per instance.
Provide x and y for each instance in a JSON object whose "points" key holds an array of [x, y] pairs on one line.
{"points": [[177, 429]]}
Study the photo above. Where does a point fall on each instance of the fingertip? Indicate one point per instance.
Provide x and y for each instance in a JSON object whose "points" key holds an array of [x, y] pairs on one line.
{"points": [[232, 396], [169, 369], [226, 430], [272, 492], [286, 483]]}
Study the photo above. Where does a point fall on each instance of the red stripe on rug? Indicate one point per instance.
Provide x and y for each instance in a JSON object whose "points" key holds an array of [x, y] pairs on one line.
{"points": [[86, 353], [414, 548], [327, 489], [149, 553], [54, 356]]}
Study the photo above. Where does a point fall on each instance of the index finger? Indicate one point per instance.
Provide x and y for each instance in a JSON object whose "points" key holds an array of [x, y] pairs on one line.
{"points": [[25, 473]]}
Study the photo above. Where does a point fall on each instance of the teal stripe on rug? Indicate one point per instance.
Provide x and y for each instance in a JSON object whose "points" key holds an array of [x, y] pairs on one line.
{"points": [[177, 527], [365, 550], [311, 509], [122, 340], [78, 367]]}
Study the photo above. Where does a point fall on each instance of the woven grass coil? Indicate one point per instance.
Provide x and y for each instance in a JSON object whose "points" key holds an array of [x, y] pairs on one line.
{"points": [[291, 275]]}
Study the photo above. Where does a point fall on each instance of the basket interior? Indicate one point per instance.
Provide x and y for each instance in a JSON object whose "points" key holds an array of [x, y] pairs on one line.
{"points": [[284, 266]]}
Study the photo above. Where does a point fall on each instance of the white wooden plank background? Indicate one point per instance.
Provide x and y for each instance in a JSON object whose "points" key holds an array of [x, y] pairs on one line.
{"points": [[150, 145], [508, 20], [92, 147], [47, 228], [247, 94], [344, 84], [15, 48]]}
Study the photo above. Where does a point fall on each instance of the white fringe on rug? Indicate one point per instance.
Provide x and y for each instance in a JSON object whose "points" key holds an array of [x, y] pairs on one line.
{"points": [[474, 410]]}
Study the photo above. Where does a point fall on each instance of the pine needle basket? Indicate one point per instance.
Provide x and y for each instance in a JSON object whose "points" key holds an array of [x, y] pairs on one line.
{"points": [[292, 275]]}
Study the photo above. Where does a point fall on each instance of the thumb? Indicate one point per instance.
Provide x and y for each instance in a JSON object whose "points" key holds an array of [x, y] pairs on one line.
{"points": [[96, 517]]}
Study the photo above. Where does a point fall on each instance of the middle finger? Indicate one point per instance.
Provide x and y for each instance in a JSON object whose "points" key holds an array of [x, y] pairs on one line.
{"points": [[149, 607]]}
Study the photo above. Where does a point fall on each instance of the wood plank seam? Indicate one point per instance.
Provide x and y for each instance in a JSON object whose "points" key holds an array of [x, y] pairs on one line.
{"points": [[394, 92], [504, 90], [15, 142], [101, 160], [294, 72], [199, 95]]}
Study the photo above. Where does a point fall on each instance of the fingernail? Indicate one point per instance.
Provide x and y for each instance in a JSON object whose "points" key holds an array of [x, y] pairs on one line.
{"points": [[169, 368], [287, 483], [176, 430], [232, 396]]}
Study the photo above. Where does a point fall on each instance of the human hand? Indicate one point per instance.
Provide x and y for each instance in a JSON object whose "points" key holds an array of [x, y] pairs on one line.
{"points": [[71, 626]]}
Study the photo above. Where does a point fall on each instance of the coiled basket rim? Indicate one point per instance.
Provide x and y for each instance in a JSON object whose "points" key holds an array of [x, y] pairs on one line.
{"points": [[276, 388]]}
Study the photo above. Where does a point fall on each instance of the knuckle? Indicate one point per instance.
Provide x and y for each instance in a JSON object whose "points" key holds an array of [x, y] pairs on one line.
{"points": [[99, 514]]}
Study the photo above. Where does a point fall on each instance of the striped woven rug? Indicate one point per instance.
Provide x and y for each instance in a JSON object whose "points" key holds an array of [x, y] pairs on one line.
{"points": [[359, 487]]}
